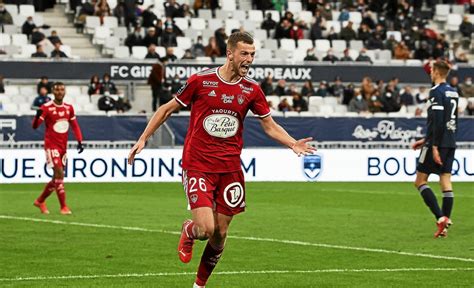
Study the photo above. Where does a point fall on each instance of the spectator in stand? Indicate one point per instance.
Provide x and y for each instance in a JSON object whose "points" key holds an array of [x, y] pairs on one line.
{"points": [[102, 9], [54, 38], [364, 33], [283, 29], [368, 20], [152, 52], [367, 88], [330, 57], [159, 28], [2, 85], [149, 18], [348, 94], [125, 11], [322, 89], [348, 33], [422, 95], [185, 11], [87, 9], [358, 103], [40, 99], [172, 9], [284, 106], [390, 98], [212, 50], [375, 103], [156, 80], [95, 86], [391, 43], [188, 55], [462, 58], [467, 88], [44, 82], [291, 90], [175, 86], [151, 37], [37, 36], [135, 39], [39, 52], [267, 85], [407, 99], [454, 82], [438, 51], [28, 26], [332, 35], [337, 88], [280, 89], [307, 89], [466, 28], [268, 24], [296, 32], [198, 49], [169, 56], [401, 51], [346, 57], [260, 4], [271, 106], [221, 38], [422, 52], [57, 53], [363, 57], [316, 31], [168, 39], [326, 12], [299, 103], [310, 55], [375, 42], [288, 16], [108, 86], [5, 16]]}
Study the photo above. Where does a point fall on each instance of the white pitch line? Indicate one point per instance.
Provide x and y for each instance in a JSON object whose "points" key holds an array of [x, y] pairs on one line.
{"points": [[292, 242], [164, 274]]}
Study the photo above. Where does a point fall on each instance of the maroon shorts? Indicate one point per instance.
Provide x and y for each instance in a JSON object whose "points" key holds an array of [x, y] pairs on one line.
{"points": [[55, 157], [223, 192]]}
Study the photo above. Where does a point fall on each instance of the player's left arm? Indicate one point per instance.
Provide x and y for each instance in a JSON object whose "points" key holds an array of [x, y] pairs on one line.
{"points": [[76, 130], [276, 132]]}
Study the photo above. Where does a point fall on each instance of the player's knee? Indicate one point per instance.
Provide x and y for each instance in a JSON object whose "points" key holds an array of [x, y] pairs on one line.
{"points": [[220, 233]]}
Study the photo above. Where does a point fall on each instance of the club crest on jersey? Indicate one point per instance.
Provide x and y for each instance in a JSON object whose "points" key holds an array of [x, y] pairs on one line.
{"points": [[227, 99], [212, 93], [194, 198], [61, 114], [240, 99], [312, 166]]}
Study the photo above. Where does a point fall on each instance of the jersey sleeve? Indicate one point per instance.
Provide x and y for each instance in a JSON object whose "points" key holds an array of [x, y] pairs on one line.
{"points": [[75, 125], [437, 108], [38, 120], [185, 94], [259, 106]]}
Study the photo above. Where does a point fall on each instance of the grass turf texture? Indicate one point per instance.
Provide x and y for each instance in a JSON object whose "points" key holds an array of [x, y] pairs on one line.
{"points": [[387, 216]]}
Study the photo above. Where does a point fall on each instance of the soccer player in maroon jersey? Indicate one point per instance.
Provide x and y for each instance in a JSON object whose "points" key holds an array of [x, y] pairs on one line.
{"points": [[212, 174], [57, 117]]}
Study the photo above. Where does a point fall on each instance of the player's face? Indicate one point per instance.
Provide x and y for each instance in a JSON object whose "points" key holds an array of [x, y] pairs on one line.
{"points": [[59, 92], [242, 57]]}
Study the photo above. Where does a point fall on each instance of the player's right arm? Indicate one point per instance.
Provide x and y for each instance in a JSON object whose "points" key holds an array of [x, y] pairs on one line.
{"points": [[39, 118], [160, 116]]}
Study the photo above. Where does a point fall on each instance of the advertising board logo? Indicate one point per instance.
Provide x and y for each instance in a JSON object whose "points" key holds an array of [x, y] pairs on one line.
{"points": [[312, 166]]}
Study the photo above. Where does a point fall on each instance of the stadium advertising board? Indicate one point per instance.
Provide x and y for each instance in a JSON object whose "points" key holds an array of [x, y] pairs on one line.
{"points": [[164, 165]]}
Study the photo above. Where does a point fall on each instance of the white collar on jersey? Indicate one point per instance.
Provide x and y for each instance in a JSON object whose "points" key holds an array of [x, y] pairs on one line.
{"points": [[229, 83]]}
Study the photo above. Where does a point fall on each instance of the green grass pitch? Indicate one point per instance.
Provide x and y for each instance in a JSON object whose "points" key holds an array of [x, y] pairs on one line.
{"points": [[333, 232]]}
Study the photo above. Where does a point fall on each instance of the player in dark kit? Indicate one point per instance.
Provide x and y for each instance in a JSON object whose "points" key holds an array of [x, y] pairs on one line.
{"points": [[57, 116], [212, 175], [438, 147]]}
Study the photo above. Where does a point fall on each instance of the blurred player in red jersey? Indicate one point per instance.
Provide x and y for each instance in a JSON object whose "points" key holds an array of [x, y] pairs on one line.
{"points": [[212, 174], [57, 117]]}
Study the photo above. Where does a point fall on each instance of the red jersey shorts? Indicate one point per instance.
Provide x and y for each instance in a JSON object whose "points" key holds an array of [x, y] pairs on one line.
{"points": [[55, 157], [223, 192]]}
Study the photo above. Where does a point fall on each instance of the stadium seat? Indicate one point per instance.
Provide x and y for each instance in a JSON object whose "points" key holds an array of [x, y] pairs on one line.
{"points": [[12, 50], [335, 14], [330, 100], [91, 23], [28, 49], [341, 109], [139, 52], [27, 10], [299, 54], [260, 34], [294, 7], [10, 29], [27, 91], [263, 54], [306, 16], [322, 45], [182, 23], [305, 44], [18, 20], [120, 32], [239, 15], [396, 34], [228, 5], [255, 16], [205, 14], [110, 44], [355, 17], [101, 33], [356, 44], [10, 108], [184, 42], [457, 9], [250, 26], [315, 101], [270, 44], [67, 50], [326, 110], [338, 45], [38, 19], [12, 9], [231, 24], [282, 54], [161, 51], [333, 24], [413, 62], [214, 24], [275, 15], [453, 22], [287, 44], [198, 24], [5, 39], [384, 55], [441, 12], [221, 14], [397, 62], [291, 113], [121, 52], [73, 91], [110, 22]]}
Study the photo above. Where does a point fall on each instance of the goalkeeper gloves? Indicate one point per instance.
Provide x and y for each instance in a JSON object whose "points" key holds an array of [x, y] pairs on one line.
{"points": [[80, 147]]}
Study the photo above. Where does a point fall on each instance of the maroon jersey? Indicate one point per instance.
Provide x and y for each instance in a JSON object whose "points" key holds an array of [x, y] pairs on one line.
{"points": [[57, 119], [214, 139]]}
